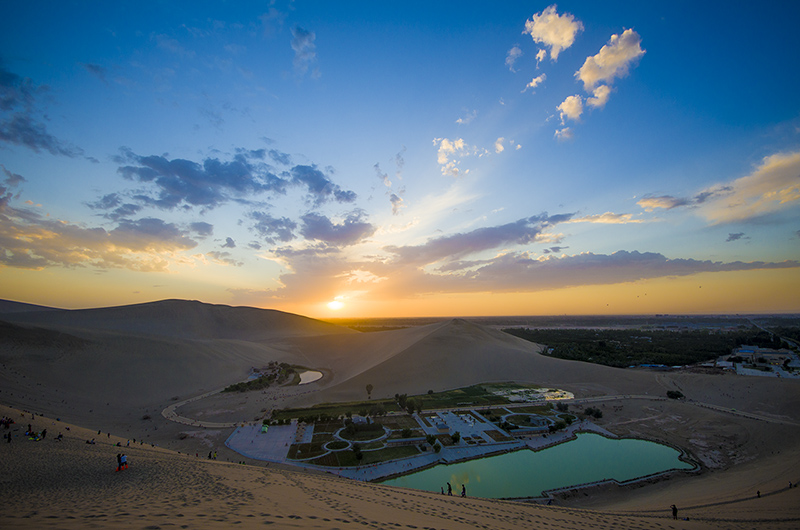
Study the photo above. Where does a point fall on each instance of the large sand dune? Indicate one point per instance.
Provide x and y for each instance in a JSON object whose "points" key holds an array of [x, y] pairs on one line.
{"points": [[116, 369]]}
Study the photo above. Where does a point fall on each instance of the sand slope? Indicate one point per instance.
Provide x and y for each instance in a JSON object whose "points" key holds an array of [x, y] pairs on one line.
{"points": [[116, 369], [182, 319], [72, 485]]}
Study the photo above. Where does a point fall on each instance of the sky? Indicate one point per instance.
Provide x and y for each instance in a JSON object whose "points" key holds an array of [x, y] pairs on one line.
{"points": [[379, 159]]}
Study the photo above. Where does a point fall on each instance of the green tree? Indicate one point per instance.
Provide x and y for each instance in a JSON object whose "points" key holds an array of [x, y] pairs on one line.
{"points": [[456, 437]]}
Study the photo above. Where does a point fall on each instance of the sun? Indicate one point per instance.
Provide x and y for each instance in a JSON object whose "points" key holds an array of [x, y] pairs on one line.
{"points": [[335, 305]]}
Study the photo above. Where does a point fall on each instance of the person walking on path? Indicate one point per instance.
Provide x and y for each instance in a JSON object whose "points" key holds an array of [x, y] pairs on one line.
{"points": [[463, 490], [674, 511]]}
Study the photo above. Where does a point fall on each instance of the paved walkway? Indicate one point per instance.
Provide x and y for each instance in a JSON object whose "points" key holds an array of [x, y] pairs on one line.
{"points": [[271, 446]]}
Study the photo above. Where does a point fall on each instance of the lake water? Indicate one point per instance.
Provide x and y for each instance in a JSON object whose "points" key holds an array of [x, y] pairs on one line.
{"points": [[309, 376], [526, 473]]}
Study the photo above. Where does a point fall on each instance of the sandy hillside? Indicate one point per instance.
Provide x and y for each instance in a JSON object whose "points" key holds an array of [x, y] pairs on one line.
{"points": [[116, 369], [181, 319], [458, 353], [74, 485]]}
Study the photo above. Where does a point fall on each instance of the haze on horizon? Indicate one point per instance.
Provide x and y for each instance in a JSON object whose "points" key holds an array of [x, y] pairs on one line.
{"points": [[441, 160]]}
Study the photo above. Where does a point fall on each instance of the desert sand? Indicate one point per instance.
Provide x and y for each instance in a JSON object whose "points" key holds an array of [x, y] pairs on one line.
{"points": [[116, 369]]}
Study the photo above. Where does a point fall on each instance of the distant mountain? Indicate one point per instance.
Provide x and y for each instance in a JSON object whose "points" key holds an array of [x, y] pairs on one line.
{"points": [[183, 319], [9, 306]]}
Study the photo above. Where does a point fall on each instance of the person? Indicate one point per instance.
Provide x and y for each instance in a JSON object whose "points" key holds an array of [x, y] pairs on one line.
{"points": [[124, 461], [449, 489], [119, 461], [758, 494], [463, 490], [44, 433], [442, 488], [674, 511]]}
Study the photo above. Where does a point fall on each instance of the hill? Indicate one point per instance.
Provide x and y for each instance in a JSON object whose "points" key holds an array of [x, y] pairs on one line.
{"points": [[182, 319]]}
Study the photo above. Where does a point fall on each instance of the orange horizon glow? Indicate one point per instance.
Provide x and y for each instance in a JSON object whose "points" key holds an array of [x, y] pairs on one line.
{"points": [[746, 292]]}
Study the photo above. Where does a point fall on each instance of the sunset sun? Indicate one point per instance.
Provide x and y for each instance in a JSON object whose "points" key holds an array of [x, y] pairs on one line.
{"points": [[335, 305]]}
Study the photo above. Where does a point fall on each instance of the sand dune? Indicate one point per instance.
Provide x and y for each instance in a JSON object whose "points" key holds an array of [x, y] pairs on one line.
{"points": [[73, 485], [116, 369], [183, 319]]}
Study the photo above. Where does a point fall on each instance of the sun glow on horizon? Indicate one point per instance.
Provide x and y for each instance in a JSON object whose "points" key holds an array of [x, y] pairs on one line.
{"points": [[335, 305]]}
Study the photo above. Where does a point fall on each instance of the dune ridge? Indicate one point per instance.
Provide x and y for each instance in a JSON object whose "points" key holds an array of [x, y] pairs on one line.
{"points": [[116, 369]]}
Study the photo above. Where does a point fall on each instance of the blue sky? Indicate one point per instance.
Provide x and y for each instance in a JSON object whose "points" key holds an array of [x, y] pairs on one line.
{"points": [[402, 158]]}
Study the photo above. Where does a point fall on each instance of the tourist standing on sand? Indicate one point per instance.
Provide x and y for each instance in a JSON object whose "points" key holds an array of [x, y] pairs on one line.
{"points": [[124, 461], [119, 461], [674, 511], [449, 489], [463, 490]]}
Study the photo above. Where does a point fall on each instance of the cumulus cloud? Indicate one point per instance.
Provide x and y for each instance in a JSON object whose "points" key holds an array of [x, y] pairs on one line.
{"points": [[612, 61], [498, 145], [571, 108], [208, 184], [599, 96], [114, 208], [535, 82], [305, 50], [540, 56], [201, 228], [31, 241], [554, 31], [447, 152], [512, 56], [320, 188], [564, 134], [353, 229], [19, 123], [272, 229], [229, 243]]}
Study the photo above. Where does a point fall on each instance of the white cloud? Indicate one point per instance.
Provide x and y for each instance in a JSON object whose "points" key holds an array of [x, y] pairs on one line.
{"points": [[571, 108], [553, 30], [600, 98], [498, 145], [468, 118], [512, 56], [448, 149], [535, 82], [540, 55], [564, 134], [612, 61]]}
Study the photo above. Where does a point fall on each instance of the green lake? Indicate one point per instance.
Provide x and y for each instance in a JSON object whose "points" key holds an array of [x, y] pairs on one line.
{"points": [[589, 458]]}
